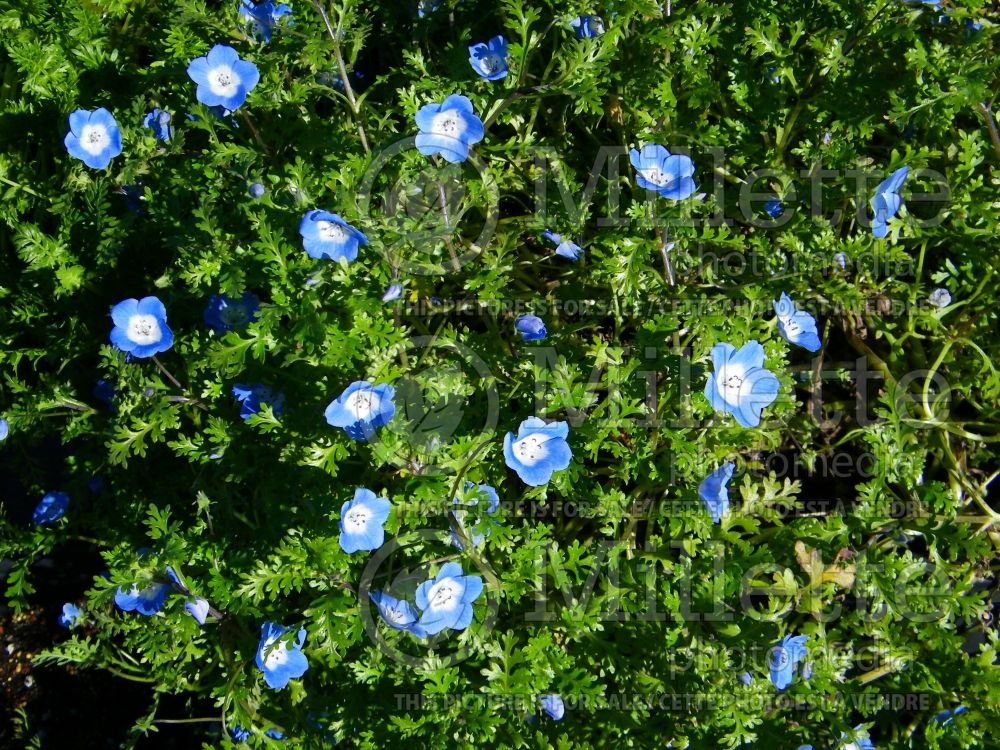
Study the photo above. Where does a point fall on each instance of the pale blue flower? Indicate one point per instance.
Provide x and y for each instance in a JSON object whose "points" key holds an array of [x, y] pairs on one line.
{"points": [[446, 600], [940, 297], [280, 660], [886, 201], [147, 601], [159, 122], [326, 235], [4, 429], [141, 327], [740, 385], [796, 326], [553, 705], [93, 137], [538, 450], [198, 608], [565, 248], [362, 409], [714, 491], [489, 59], [448, 128], [256, 190], [782, 659], [531, 328], [394, 291], [263, 17], [50, 508], [397, 613], [746, 678], [223, 78], [362, 521], [670, 175], [70, 616], [587, 27]]}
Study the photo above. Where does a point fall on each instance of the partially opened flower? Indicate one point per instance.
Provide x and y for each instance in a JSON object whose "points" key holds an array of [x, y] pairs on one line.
{"points": [[263, 17], [326, 235], [396, 613], [473, 492], [886, 201], [223, 78], [668, 174], [714, 491], [141, 327], [280, 660], [394, 291], [362, 521], [587, 27], [553, 705], [70, 616], [796, 326], [489, 59], [531, 328], [538, 450], [254, 397], [50, 508], [565, 248], [782, 659], [940, 297], [448, 128], [93, 137], [446, 600], [224, 313], [159, 122], [745, 678], [198, 608], [147, 601], [256, 190], [740, 385], [361, 409]]}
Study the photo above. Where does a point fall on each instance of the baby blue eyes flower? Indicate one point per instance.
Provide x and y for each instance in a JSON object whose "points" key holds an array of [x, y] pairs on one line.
{"points": [[198, 609], [253, 397], [362, 520], [740, 385], [446, 600], [565, 248], [782, 660], [553, 705], [587, 27], [70, 616], [668, 174], [746, 678], [796, 326], [361, 409], [141, 327], [280, 661], [538, 450], [159, 122], [396, 613], [940, 298], [256, 190], [393, 292], [531, 328], [223, 78], [263, 17], [51, 508], [448, 128], [93, 137], [714, 491], [886, 201], [326, 235], [490, 59], [773, 208], [227, 314], [146, 602]]}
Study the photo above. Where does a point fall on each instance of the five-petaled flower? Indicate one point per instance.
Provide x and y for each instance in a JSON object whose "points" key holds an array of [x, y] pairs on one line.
{"points": [[446, 600], [531, 328], [489, 59], [362, 521], [796, 326], [587, 27], [224, 313], [397, 613], [448, 128], [263, 17], [361, 409], [782, 659], [50, 508], [714, 491], [886, 201], [326, 235], [223, 78], [538, 450], [159, 122], [279, 659], [668, 174], [147, 601], [93, 137], [141, 327], [253, 397], [940, 297], [473, 492], [70, 616], [553, 705], [740, 385], [565, 248]]}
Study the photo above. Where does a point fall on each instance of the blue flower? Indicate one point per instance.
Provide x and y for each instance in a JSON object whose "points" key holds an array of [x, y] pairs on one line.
{"points": [[972, 27], [362, 520], [70, 616], [141, 327], [361, 409], [805, 747], [146, 602], [51, 508], [256, 190], [886, 201], [396, 613], [668, 174], [490, 59], [393, 292], [946, 717], [424, 7], [531, 328], [446, 600], [841, 260], [93, 137], [222, 77], [253, 397], [327, 235], [274, 734], [473, 492], [280, 661], [227, 314], [539, 450], [587, 27], [448, 128], [714, 491], [940, 297], [859, 740], [198, 609], [159, 122], [565, 248], [239, 734], [773, 208], [4, 429], [782, 660], [746, 678], [263, 17], [553, 705], [796, 326], [740, 385]]}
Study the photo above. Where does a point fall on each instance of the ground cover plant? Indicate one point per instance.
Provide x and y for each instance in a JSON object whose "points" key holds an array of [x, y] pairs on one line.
{"points": [[499, 374]]}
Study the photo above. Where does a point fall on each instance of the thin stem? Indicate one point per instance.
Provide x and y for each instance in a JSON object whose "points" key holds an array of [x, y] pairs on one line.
{"points": [[200, 720], [665, 248], [348, 89], [256, 133], [991, 125], [166, 372]]}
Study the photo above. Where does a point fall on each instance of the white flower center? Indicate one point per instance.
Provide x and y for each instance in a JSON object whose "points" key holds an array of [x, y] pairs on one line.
{"points": [[730, 381], [223, 81], [94, 139], [656, 176], [330, 230], [276, 656], [235, 316], [490, 64], [531, 449], [143, 329], [363, 404], [791, 327], [395, 614], [357, 517], [448, 124], [443, 595]]}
